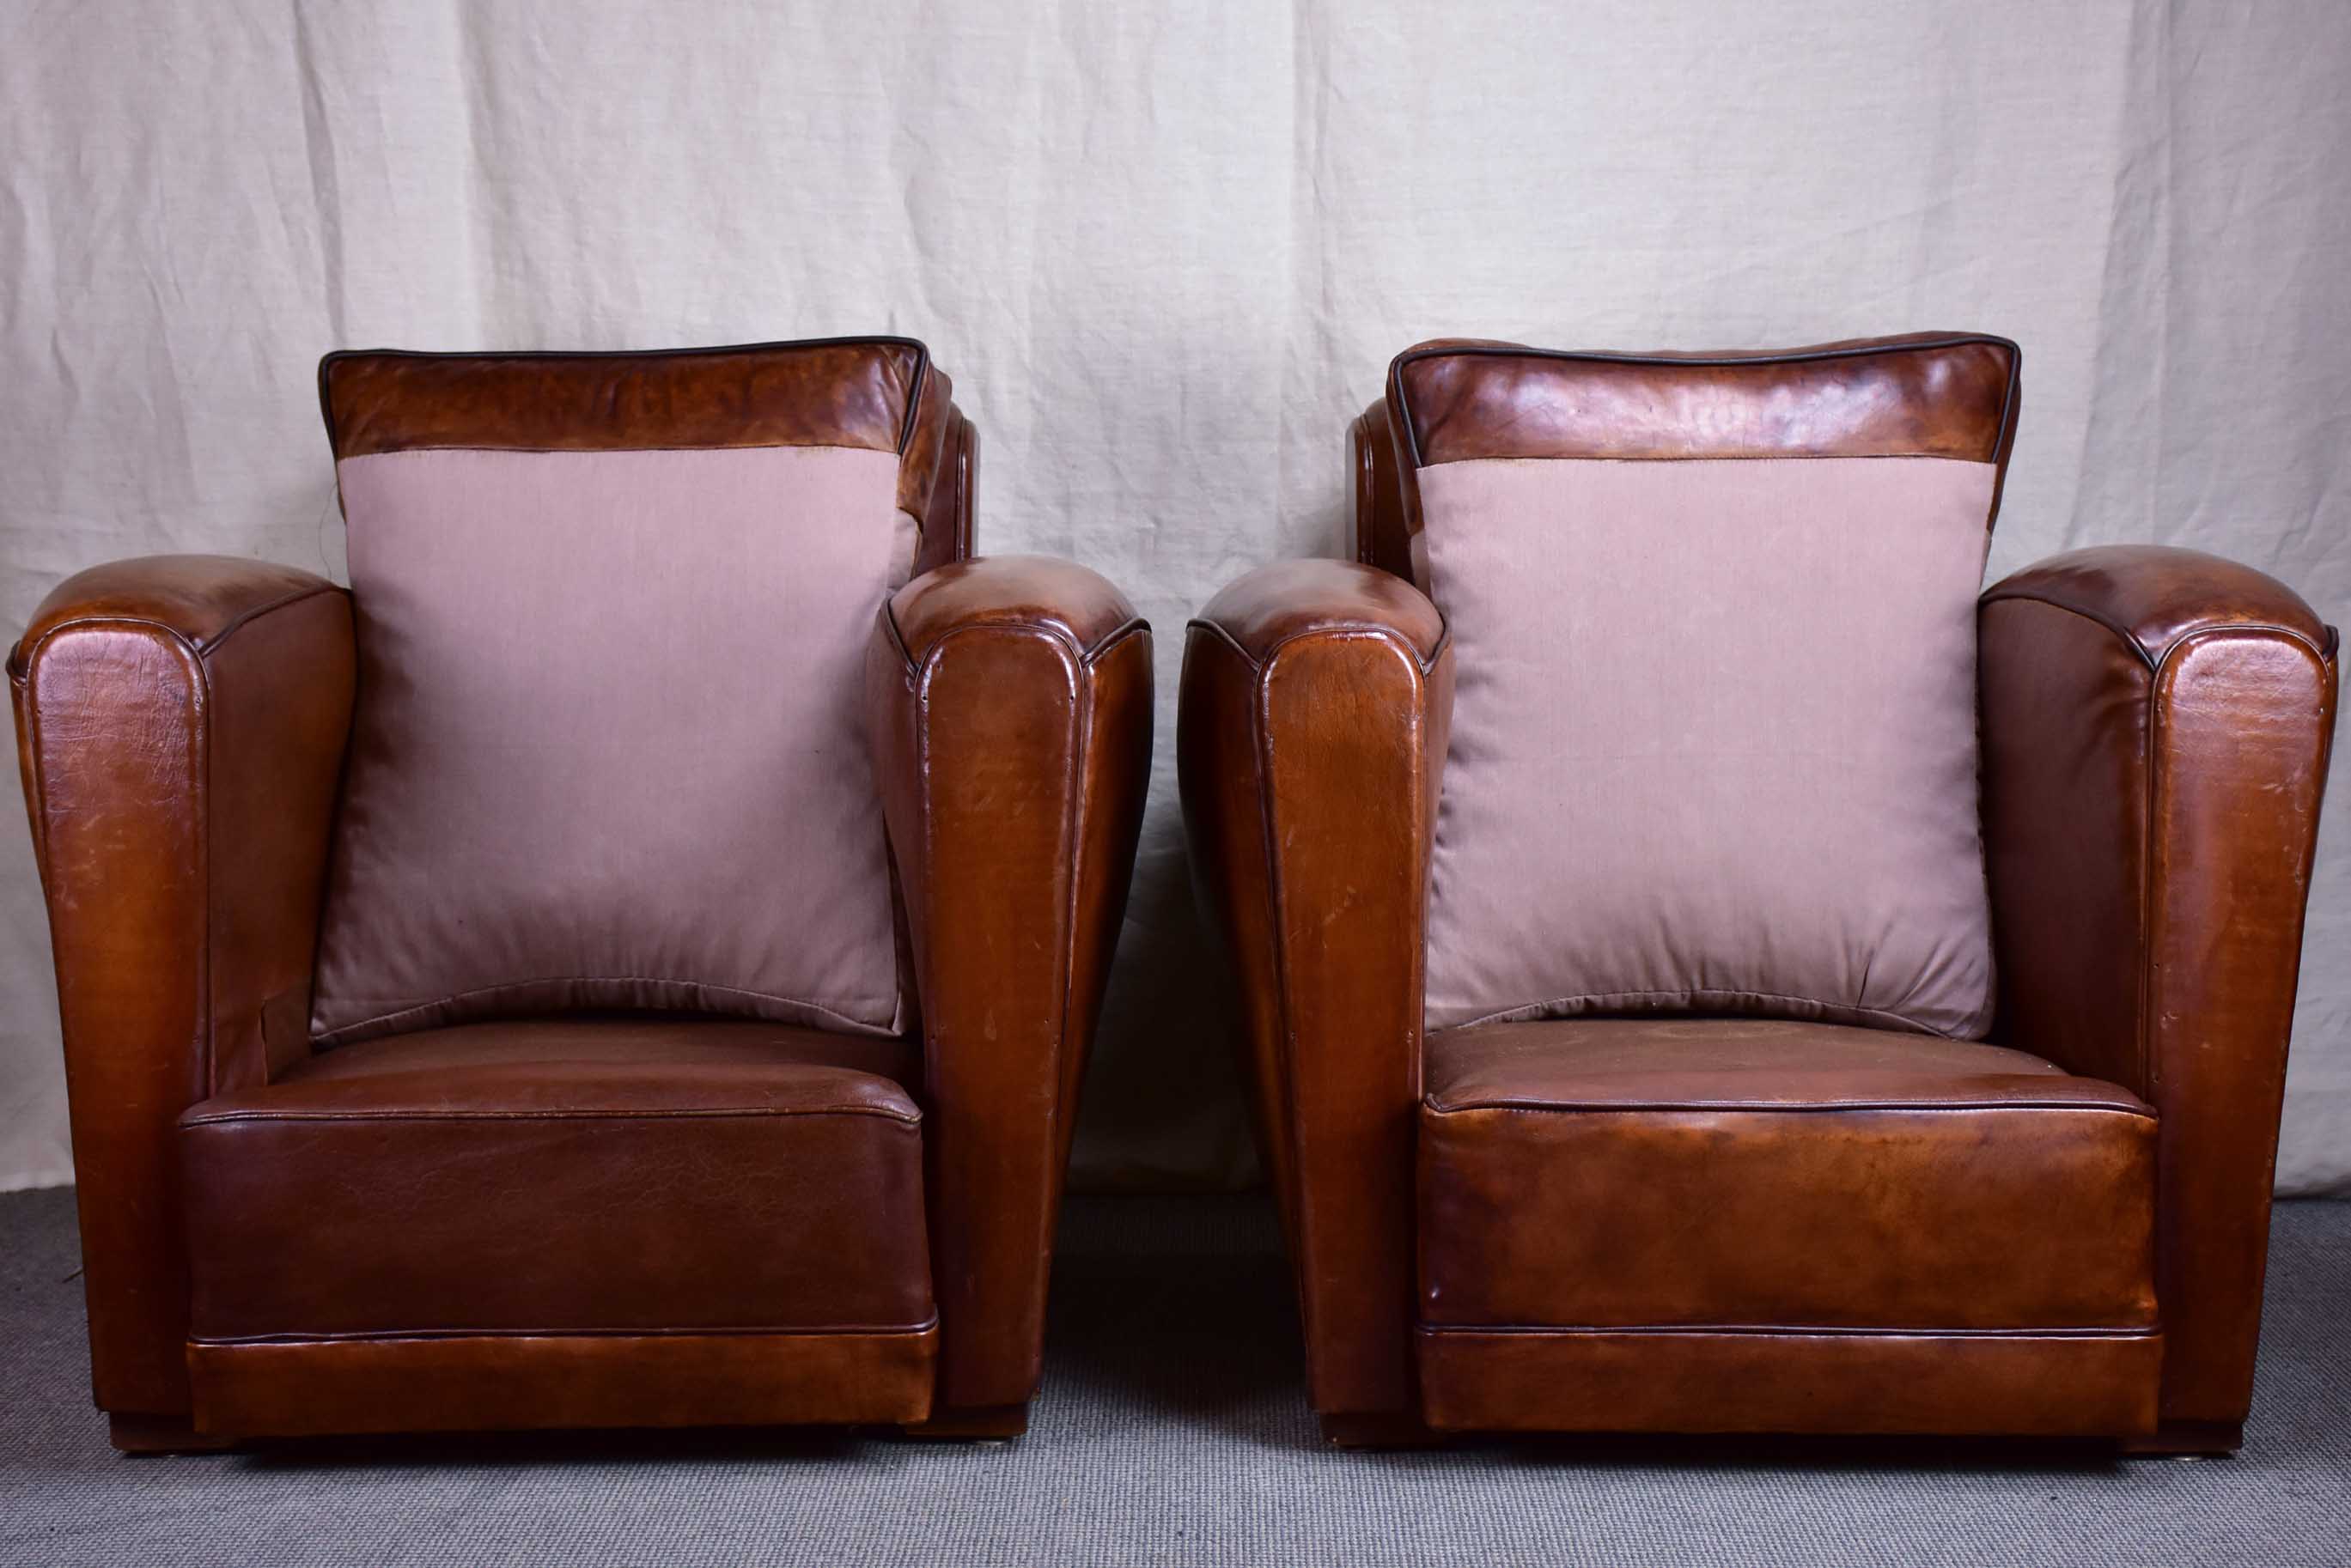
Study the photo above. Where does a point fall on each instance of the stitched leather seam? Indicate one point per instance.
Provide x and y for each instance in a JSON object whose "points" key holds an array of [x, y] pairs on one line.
{"points": [[1529, 1011], [682, 1113], [1126, 630], [429, 1336], [610, 450], [1772, 1107], [2151, 657], [1083, 654], [1785, 1331], [1343, 630], [1695, 459], [20, 664]]}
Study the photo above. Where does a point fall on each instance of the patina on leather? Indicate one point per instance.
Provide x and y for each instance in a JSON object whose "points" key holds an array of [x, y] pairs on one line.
{"points": [[2155, 726], [183, 723]]}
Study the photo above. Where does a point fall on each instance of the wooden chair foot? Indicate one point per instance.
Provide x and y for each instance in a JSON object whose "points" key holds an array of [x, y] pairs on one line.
{"points": [[133, 1434], [982, 1423], [1377, 1430], [2188, 1440]]}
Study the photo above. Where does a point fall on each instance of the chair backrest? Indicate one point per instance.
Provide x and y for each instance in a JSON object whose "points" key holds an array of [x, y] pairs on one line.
{"points": [[1927, 394], [1713, 740], [608, 749]]}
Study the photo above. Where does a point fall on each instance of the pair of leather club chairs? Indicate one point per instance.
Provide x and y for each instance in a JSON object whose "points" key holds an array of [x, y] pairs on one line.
{"points": [[597, 971]]}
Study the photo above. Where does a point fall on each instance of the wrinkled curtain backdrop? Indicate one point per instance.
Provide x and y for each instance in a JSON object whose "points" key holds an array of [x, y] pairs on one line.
{"points": [[1165, 250]]}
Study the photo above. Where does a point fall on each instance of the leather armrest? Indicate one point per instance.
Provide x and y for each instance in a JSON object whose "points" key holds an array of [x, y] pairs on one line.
{"points": [[181, 722], [1011, 704], [1311, 737], [2155, 727]]}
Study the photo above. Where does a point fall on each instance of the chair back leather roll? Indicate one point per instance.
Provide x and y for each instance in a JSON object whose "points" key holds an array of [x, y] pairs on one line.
{"points": [[1714, 743], [1925, 394], [609, 746]]}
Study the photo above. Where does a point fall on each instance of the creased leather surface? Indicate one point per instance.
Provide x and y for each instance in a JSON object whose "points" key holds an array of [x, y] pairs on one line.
{"points": [[1316, 700], [1728, 1173], [1008, 708], [850, 394], [2157, 728], [562, 1178], [184, 721]]}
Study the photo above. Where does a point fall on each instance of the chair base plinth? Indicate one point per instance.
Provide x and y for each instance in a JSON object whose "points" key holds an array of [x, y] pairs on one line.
{"points": [[2061, 1384], [2188, 1440], [356, 1388], [975, 1424], [150, 1435], [1377, 1430]]}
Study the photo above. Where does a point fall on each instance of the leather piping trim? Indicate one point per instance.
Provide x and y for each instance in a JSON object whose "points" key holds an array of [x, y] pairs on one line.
{"points": [[1999, 593], [682, 1113], [1787, 1331], [580, 452], [20, 658], [1084, 655], [1768, 1108], [1427, 662], [2002, 435], [906, 428], [368, 1336]]}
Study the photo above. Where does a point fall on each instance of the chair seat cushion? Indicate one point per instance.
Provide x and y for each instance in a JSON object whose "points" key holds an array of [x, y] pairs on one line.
{"points": [[573, 1175], [1627, 1173]]}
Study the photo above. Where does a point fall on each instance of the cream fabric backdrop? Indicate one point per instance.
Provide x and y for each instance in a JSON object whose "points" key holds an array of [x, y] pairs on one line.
{"points": [[1166, 250]]}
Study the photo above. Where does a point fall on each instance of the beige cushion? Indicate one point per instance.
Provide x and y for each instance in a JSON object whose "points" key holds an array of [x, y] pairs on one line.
{"points": [[609, 751], [1714, 740]]}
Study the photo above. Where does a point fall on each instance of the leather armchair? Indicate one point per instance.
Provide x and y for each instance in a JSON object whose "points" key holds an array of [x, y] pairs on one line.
{"points": [[2155, 728], [183, 723]]}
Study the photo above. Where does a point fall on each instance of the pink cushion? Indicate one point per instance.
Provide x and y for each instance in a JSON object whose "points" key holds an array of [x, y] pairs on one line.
{"points": [[609, 751], [1714, 740]]}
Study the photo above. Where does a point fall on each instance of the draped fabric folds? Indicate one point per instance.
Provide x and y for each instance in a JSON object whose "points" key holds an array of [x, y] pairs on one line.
{"points": [[1168, 249]]}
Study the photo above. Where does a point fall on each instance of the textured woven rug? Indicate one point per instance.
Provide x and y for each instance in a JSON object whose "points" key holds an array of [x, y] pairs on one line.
{"points": [[1173, 1429]]}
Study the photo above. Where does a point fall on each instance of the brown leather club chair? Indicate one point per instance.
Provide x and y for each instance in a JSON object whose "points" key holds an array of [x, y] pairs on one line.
{"points": [[1634, 1208], [489, 1001]]}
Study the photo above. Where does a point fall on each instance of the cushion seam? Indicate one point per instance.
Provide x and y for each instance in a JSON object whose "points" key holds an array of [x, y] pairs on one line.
{"points": [[1544, 1107], [223, 1118], [608, 451], [1802, 1330], [456, 998], [414, 1336], [1528, 1011]]}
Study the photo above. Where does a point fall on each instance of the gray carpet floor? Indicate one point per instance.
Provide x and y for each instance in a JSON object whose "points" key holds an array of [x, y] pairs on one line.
{"points": [[1173, 1428]]}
